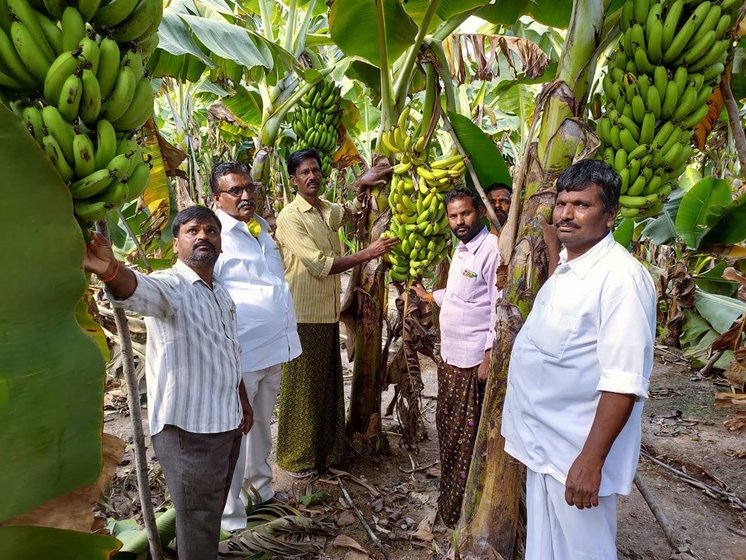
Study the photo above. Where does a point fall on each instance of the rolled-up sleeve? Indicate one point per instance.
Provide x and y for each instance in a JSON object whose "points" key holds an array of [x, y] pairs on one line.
{"points": [[293, 237], [626, 336], [156, 295]]}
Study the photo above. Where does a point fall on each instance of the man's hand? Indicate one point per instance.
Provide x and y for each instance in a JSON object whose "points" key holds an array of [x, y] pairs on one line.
{"points": [[552, 242], [380, 247], [483, 371], [583, 482], [247, 421], [378, 175], [420, 291], [99, 257]]}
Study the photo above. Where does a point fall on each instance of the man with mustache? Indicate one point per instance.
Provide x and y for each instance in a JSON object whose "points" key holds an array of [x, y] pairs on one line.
{"points": [[251, 269], [578, 376], [197, 404], [310, 432], [467, 319], [499, 196]]}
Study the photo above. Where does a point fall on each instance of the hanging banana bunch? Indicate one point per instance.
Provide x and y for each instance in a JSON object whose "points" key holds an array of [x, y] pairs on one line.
{"points": [[316, 119], [417, 202], [75, 75], [656, 86]]}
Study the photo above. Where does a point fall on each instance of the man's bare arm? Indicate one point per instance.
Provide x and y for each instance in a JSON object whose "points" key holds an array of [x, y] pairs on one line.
{"points": [[584, 476]]}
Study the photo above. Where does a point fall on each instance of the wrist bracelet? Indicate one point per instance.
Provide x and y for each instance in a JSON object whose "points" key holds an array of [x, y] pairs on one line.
{"points": [[430, 297], [113, 275]]}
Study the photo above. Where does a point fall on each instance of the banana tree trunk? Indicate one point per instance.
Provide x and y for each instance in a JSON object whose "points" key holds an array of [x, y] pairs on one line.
{"points": [[489, 520]]}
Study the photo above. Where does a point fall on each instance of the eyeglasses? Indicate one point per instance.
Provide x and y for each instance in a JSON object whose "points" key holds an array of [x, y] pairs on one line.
{"points": [[238, 192]]}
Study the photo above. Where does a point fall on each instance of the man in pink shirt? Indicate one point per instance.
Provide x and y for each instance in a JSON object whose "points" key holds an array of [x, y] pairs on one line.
{"points": [[467, 320]]}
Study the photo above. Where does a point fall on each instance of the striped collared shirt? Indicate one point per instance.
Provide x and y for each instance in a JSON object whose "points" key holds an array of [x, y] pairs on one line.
{"points": [[309, 242], [192, 352]]}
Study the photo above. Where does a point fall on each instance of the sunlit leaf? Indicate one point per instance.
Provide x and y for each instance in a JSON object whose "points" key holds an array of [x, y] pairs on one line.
{"points": [[156, 195], [720, 311], [246, 106], [353, 28], [228, 41], [700, 209], [730, 228], [175, 38]]}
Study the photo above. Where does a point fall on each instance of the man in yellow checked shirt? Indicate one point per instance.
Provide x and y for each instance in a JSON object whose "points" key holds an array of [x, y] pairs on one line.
{"points": [[251, 269]]}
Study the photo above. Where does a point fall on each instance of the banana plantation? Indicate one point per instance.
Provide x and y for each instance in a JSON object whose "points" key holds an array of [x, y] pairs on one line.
{"points": [[114, 112]]}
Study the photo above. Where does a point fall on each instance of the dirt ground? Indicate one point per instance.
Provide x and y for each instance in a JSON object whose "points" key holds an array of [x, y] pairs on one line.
{"points": [[681, 428]]}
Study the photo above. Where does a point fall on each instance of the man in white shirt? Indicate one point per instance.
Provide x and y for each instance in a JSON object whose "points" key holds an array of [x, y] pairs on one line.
{"points": [[467, 319], [195, 392], [578, 376], [251, 269]]}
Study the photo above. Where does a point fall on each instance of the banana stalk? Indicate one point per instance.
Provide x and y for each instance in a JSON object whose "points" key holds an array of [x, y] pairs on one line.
{"points": [[365, 306], [490, 512]]}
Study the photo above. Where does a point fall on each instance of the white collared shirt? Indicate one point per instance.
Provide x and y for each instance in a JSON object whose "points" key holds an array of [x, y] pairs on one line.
{"points": [[251, 270], [192, 353], [591, 329], [467, 316]]}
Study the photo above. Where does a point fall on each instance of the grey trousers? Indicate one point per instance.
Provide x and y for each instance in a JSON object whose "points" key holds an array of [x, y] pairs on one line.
{"points": [[198, 470]]}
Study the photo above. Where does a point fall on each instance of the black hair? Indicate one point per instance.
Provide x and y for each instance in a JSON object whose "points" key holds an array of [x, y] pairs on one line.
{"points": [[298, 157], [198, 213], [495, 186], [223, 169], [579, 176], [463, 192]]}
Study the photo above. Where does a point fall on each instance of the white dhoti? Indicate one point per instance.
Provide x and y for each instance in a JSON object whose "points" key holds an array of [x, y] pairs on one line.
{"points": [[253, 466], [556, 531]]}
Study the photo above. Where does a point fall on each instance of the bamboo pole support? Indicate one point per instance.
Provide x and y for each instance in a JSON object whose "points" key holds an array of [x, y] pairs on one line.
{"points": [[138, 435]]}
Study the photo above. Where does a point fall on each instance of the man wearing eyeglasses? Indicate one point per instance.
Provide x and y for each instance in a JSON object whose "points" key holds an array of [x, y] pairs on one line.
{"points": [[251, 269]]}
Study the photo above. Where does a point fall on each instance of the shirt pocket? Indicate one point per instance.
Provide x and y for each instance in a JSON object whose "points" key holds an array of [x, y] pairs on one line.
{"points": [[552, 330], [466, 288]]}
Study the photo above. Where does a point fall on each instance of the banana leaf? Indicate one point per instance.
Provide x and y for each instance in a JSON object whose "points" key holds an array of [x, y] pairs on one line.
{"points": [[487, 160], [352, 25], [700, 209], [51, 371], [43, 543]]}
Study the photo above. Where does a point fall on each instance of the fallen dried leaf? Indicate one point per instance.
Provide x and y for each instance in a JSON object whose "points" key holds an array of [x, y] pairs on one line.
{"points": [[345, 519], [343, 541]]}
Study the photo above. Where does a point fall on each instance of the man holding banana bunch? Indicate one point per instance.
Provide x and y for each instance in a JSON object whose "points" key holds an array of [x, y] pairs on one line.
{"points": [[467, 320], [310, 431]]}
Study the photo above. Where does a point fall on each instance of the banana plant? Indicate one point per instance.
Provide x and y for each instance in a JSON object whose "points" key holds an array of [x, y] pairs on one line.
{"points": [[51, 371], [490, 512]]}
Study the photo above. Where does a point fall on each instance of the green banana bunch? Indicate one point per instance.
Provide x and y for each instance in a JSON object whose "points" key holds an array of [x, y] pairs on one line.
{"points": [[417, 201], [316, 119], [75, 73], [656, 86]]}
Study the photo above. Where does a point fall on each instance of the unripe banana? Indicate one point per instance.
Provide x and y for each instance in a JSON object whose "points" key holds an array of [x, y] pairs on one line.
{"points": [[69, 101], [90, 210], [73, 28], [113, 13], [23, 13], [90, 102], [121, 96], [108, 68], [90, 53], [34, 122], [83, 151], [54, 153], [140, 109], [106, 143], [61, 130], [27, 48]]}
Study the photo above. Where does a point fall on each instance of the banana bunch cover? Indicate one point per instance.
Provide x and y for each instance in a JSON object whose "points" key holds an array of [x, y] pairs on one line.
{"points": [[656, 87], [316, 119], [417, 201], [74, 71]]}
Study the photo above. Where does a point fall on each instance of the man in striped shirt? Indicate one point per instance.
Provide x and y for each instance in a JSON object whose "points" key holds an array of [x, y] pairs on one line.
{"points": [[197, 404], [310, 433]]}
